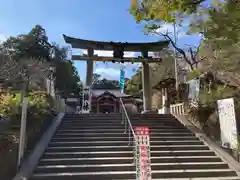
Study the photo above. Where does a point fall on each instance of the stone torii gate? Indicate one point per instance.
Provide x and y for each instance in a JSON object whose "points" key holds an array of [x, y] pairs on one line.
{"points": [[118, 56]]}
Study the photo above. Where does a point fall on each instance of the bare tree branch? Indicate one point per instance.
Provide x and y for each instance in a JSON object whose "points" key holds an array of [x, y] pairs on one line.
{"points": [[179, 50]]}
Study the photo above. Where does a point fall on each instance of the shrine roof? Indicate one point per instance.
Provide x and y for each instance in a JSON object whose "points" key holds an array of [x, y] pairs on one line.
{"points": [[108, 46], [165, 83], [114, 92]]}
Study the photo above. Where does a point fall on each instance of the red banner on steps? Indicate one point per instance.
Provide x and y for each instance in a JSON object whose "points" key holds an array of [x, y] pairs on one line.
{"points": [[143, 161]]}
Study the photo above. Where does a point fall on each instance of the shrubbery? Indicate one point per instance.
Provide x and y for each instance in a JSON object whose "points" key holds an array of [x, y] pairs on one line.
{"points": [[206, 114], [39, 105], [39, 118]]}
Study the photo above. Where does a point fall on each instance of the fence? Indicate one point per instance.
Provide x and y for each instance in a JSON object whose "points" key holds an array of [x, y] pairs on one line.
{"points": [[177, 109]]}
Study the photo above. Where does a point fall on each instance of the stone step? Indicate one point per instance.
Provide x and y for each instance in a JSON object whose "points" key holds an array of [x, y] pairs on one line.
{"points": [[128, 167], [119, 130], [152, 115], [204, 178], [110, 126], [126, 154], [113, 134], [93, 121], [91, 115], [106, 118], [153, 124], [104, 123], [153, 119], [79, 126], [113, 160], [115, 143], [125, 148], [191, 178], [131, 174], [125, 138], [102, 120]]}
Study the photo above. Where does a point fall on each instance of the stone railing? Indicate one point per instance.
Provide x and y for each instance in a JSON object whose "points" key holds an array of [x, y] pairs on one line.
{"points": [[177, 109]]}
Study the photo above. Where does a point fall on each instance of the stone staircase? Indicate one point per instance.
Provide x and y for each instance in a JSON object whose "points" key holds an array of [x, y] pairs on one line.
{"points": [[94, 147]]}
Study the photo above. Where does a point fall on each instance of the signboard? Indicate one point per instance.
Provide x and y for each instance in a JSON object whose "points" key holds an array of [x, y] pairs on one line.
{"points": [[228, 124], [194, 88], [143, 161], [86, 100], [122, 79]]}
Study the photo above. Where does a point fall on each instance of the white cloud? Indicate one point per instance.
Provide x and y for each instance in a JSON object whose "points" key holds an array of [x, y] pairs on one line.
{"points": [[169, 28], [108, 73], [3, 37]]}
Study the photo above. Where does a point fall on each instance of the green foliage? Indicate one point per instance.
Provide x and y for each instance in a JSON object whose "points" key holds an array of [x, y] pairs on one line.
{"points": [[134, 85], [195, 73], [208, 98], [163, 10], [67, 78], [41, 102], [222, 27], [32, 45], [39, 105], [33, 55], [103, 83], [158, 72]]}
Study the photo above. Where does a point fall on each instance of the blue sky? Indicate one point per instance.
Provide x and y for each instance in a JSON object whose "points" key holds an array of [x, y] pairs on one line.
{"points": [[106, 20]]}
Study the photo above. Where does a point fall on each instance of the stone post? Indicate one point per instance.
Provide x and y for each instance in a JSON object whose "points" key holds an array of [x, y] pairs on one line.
{"points": [[147, 86], [89, 72], [87, 91], [165, 101]]}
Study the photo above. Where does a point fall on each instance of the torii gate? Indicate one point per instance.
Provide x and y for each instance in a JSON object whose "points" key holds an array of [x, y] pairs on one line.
{"points": [[118, 53]]}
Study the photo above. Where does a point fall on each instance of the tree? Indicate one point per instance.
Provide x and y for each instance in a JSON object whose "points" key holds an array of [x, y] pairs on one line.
{"points": [[158, 72], [221, 44], [28, 58], [134, 85], [103, 83], [156, 12], [96, 78], [29, 54], [164, 10], [32, 45], [67, 78]]}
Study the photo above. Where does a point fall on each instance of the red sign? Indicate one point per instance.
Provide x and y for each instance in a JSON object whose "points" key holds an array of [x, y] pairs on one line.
{"points": [[143, 148], [142, 130]]}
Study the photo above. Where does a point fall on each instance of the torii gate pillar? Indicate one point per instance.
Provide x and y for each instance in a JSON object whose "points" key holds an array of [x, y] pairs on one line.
{"points": [[147, 86], [89, 73]]}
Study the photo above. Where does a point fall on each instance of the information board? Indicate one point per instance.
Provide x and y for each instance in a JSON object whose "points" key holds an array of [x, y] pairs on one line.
{"points": [[86, 104], [228, 124], [143, 161]]}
